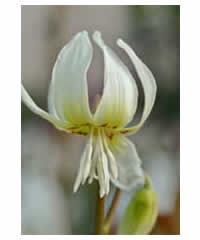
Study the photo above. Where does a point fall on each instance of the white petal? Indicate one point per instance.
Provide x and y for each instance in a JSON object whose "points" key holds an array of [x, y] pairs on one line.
{"points": [[68, 92], [119, 100], [128, 163], [148, 83], [28, 101], [101, 178]]}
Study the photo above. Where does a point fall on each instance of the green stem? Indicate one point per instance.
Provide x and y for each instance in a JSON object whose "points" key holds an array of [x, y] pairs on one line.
{"points": [[103, 224], [111, 212], [100, 215]]}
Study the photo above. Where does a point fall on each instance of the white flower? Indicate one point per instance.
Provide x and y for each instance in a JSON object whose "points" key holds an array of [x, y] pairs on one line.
{"points": [[108, 154]]}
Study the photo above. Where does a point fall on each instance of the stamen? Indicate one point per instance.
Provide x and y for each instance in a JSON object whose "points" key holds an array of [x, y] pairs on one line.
{"points": [[95, 159], [111, 158], [80, 174], [85, 163], [92, 174], [101, 177], [106, 173], [104, 162], [77, 181], [87, 166], [88, 157]]}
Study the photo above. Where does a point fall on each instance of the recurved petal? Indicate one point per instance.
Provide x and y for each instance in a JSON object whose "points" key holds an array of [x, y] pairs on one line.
{"points": [[68, 92], [130, 172], [119, 101], [28, 101], [148, 82]]}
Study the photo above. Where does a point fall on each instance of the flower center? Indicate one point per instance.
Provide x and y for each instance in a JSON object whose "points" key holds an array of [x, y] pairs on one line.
{"points": [[98, 161]]}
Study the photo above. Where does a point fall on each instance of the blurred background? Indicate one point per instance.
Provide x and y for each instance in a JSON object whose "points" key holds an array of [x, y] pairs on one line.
{"points": [[50, 159]]}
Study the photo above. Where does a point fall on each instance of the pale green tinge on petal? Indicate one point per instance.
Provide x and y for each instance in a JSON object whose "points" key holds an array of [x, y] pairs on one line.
{"points": [[28, 101], [68, 92], [119, 100], [141, 213], [148, 82], [130, 172]]}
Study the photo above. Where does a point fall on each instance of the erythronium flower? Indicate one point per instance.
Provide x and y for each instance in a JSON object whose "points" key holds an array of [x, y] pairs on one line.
{"points": [[108, 154]]}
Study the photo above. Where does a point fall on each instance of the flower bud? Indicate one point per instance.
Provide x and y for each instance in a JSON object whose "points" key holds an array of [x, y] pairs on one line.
{"points": [[141, 213]]}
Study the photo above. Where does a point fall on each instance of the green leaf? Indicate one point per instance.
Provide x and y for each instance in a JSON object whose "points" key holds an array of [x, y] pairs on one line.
{"points": [[141, 213]]}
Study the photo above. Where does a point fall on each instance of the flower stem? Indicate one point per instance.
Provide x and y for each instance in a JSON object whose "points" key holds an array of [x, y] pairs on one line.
{"points": [[100, 215], [111, 212], [103, 224]]}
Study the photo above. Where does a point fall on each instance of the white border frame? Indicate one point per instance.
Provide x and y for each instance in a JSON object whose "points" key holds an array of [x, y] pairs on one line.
{"points": [[100, 2], [10, 117]]}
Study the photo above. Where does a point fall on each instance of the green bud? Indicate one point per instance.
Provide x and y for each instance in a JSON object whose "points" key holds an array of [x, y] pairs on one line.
{"points": [[141, 213]]}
